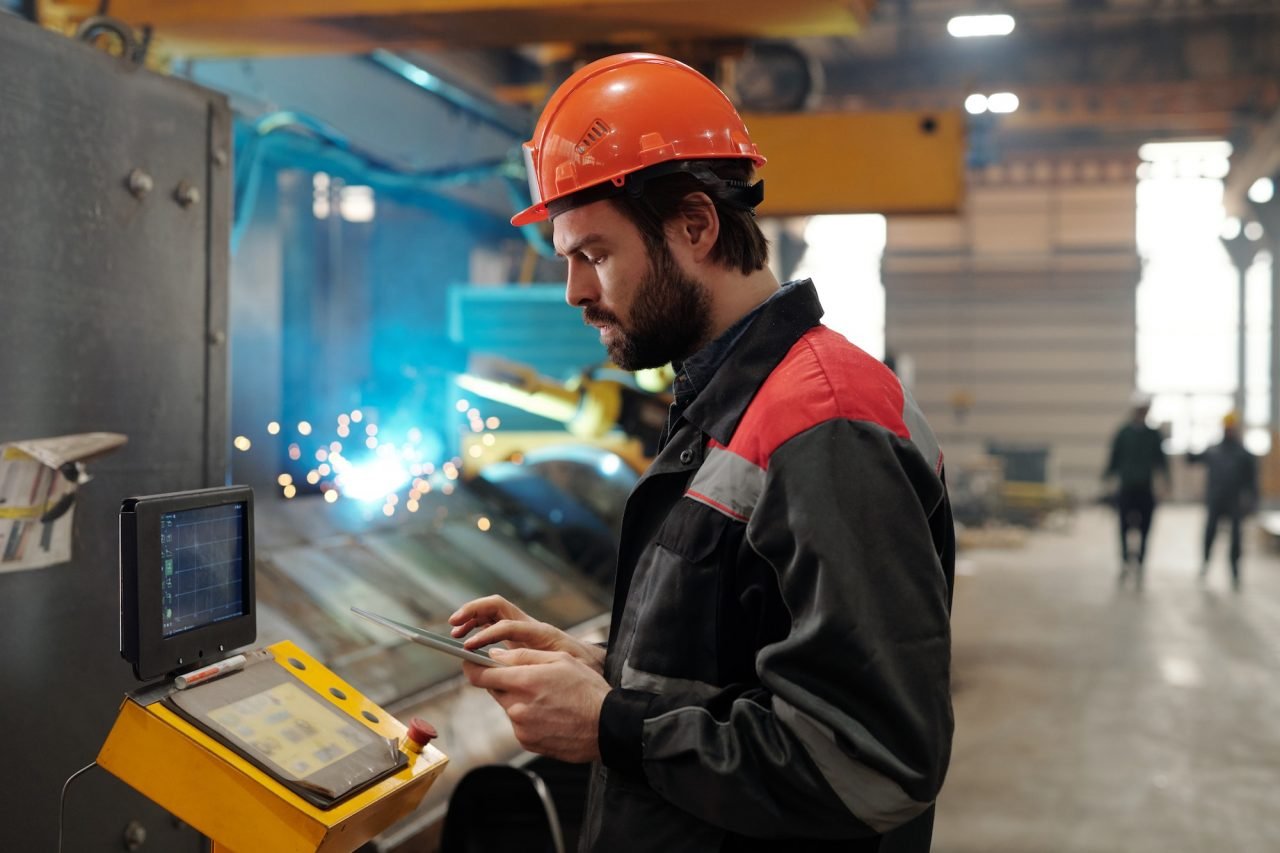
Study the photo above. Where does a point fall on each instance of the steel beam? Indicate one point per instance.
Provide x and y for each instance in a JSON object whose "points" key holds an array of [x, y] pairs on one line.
{"points": [[250, 27], [905, 162]]}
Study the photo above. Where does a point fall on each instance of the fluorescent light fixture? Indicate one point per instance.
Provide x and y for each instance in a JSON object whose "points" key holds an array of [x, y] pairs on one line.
{"points": [[1262, 191], [1002, 102], [1172, 150], [1253, 231], [971, 26], [976, 104]]}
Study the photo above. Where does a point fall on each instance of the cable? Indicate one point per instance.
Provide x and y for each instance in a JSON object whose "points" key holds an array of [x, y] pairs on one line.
{"points": [[62, 801]]}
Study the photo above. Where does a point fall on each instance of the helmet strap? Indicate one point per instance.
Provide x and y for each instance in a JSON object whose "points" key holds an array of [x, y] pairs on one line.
{"points": [[740, 194]]}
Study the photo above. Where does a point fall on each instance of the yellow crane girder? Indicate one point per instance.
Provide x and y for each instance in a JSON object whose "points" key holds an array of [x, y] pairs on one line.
{"points": [[253, 27], [882, 162]]}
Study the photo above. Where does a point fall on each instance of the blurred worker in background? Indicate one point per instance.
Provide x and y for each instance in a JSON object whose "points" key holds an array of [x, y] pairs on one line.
{"points": [[777, 675], [1231, 491], [1137, 456]]}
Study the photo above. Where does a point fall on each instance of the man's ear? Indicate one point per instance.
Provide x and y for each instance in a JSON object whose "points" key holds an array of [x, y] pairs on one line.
{"points": [[698, 225]]}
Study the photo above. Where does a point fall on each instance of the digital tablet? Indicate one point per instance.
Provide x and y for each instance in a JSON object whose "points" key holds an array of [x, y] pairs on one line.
{"points": [[439, 642]]}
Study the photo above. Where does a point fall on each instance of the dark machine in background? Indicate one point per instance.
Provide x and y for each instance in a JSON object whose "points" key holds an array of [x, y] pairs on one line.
{"points": [[113, 305]]}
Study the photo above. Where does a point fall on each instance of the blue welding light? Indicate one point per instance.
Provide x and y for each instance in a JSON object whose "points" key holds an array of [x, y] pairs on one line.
{"points": [[371, 479]]}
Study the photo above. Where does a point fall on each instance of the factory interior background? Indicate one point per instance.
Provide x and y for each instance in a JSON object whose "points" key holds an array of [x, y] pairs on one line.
{"points": [[268, 244]]}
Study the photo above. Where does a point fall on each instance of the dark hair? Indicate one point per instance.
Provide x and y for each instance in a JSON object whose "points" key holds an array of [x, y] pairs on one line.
{"points": [[741, 244]]}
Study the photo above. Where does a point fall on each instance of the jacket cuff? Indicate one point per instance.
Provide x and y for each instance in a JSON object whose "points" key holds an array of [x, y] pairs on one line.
{"points": [[622, 728]]}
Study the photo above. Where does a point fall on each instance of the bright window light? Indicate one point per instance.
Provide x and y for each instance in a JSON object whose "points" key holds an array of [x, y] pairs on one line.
{"points": [[320, 195], [1187, 301], [1262, 191], [976, 104], [356, 204], [1002, 102], [843, 256], [972, 26]]}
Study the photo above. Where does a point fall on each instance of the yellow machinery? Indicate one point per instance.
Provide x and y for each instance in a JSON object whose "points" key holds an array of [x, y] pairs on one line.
{"points": [[260, 750], [591, 409], [240, 808]]}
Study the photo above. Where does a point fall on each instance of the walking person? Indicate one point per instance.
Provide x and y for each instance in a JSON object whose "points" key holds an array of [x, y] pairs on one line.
{"points": [[1231, 492], [1137, 457]]}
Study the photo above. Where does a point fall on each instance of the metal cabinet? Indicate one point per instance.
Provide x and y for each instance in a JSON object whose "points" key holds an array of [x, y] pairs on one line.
{"points": [[114, 216]]}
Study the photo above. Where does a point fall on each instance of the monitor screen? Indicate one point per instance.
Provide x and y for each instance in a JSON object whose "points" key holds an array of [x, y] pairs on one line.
{"points": [[202, 564], [186, 578]]}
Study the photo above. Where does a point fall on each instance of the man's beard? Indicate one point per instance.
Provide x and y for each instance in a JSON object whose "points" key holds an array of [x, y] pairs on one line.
{"points": [[669, 320]]}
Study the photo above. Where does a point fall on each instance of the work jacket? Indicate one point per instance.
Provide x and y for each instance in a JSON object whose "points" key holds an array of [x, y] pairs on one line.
{"points": [[779, 650], [1232, 483]]}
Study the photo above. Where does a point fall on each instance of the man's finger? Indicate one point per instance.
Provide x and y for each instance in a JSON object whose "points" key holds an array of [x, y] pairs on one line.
{"points": [[530, 633], [491, 605], [463, 629], [523, 656]]}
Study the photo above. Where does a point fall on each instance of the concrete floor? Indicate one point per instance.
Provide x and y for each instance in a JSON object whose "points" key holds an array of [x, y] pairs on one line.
{"points": [[1093, 719]]}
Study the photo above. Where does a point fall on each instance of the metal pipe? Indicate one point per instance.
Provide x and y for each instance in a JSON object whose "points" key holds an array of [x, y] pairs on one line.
{"points": [[1241, 251], [485, 112]]}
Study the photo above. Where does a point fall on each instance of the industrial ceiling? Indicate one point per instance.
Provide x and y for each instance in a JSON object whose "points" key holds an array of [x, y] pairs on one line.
{"points": [[1090, 75]]}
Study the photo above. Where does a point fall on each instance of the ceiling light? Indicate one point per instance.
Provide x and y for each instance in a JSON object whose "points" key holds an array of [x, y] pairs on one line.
{"points": [[976, 104], [1262, 191], [1231, 228], [970, 26], [1002, 102], [1171, 150], [1253, 231]]}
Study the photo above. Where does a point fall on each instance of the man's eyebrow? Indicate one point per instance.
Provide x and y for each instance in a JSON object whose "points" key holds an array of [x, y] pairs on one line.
{"points": [[578, 245]]}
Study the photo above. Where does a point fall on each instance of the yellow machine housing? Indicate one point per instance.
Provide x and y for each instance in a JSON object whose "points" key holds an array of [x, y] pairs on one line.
{"points": [[239, 807]]}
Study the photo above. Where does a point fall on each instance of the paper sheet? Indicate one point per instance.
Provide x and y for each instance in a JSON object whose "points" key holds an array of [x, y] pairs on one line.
{"points": [[38, 482]]}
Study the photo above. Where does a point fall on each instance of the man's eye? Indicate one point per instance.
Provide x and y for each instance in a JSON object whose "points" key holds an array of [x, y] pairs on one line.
{"points": [[594, 261]]}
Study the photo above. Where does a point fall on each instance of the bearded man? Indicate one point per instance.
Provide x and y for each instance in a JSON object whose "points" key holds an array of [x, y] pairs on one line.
{"points": [[777, 673]]}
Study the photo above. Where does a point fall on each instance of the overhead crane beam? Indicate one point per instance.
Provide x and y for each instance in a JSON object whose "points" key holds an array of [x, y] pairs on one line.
{"points": [[898, 162], [249, 27], [1116, 116]]}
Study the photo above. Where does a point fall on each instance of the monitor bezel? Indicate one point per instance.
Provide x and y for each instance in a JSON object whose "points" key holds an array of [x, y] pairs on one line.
{"points": [[142, 640]]}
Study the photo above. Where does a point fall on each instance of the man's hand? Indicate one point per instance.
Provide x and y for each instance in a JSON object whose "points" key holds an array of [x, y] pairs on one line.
{"points": [[553, 700], [496, 620]]}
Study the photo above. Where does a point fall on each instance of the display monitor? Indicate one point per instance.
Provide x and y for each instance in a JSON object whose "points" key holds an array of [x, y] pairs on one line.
{"points": [[186, 579]]}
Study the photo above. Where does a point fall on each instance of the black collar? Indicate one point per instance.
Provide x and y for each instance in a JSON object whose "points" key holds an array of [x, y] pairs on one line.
{"points": [[758, 349]]}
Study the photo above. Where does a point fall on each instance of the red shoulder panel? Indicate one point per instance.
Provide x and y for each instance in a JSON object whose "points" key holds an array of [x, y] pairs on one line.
{"points": [[821, 378]]}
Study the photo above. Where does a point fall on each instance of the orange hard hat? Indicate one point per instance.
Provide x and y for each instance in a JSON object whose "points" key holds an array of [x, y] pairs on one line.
{"points": [[623, 115]]}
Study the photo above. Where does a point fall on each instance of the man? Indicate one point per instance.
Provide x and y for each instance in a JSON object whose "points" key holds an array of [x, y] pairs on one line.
{"points": [[1137, 454], [1231, 491], [777, 675]]}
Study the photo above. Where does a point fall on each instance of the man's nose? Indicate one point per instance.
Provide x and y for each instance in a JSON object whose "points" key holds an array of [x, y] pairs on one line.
{"points": [[581, 286]]}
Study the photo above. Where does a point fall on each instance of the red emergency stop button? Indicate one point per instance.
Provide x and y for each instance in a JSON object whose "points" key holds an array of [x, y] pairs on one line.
{"points": [[419, 735]]}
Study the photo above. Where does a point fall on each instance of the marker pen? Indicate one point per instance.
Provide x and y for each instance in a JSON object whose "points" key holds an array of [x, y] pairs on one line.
{"points": [[213, 670]]}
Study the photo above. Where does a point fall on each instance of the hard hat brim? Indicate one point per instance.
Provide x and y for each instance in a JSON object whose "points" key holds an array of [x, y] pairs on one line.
{"points": [[531, 215]]}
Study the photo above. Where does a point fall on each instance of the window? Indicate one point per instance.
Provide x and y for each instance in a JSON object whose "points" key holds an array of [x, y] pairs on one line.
{"points": [[1188, 300], [843, 257]]}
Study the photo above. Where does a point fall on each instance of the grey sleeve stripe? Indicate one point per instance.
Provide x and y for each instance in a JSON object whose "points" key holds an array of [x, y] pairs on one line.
{"points": [[921, 434], [872, 797], [729, 483], [635, 679]]}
